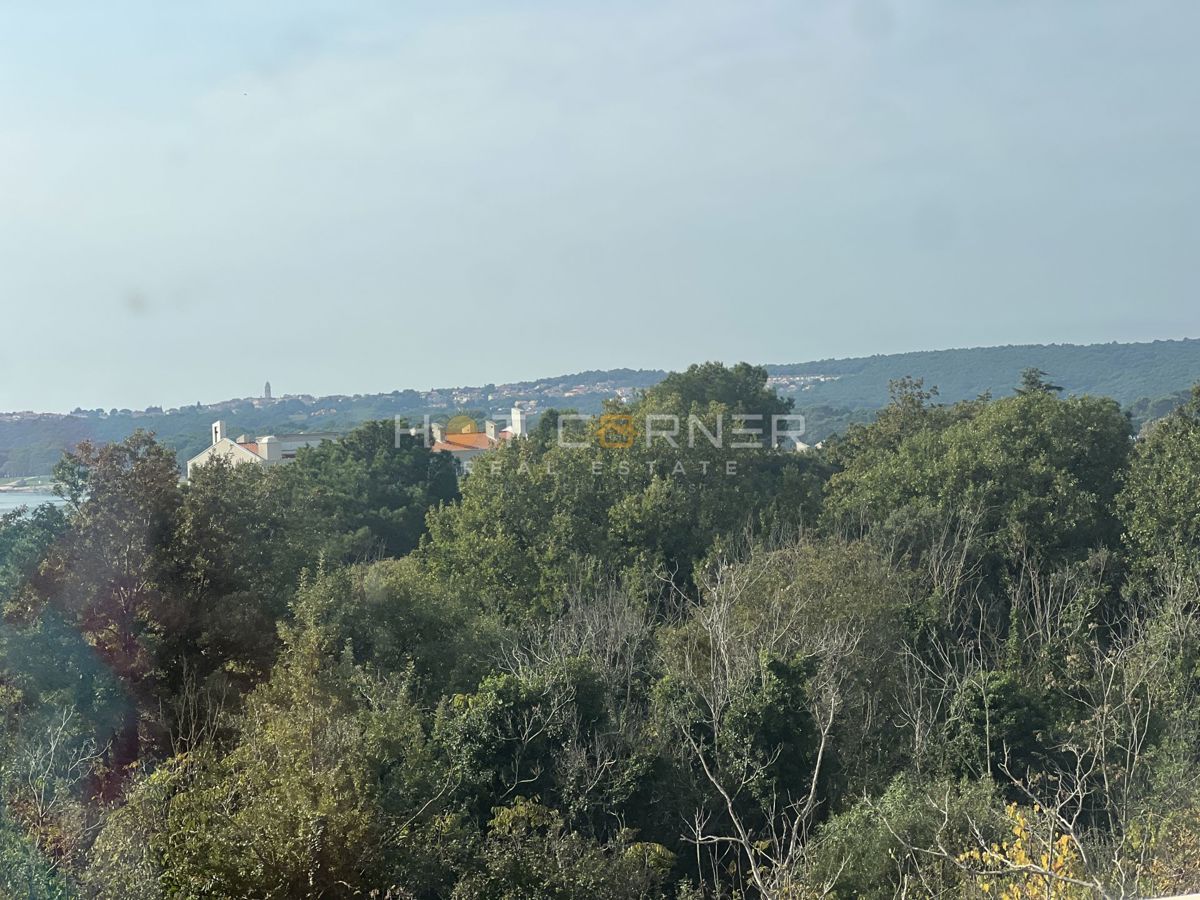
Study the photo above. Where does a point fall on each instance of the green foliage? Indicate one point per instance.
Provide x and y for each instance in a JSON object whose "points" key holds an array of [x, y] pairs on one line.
{"points": [[740, 389], [239, 549], [530, 856], [749, 676], [868, 849], [1033, 381], [1148, 410], [996, 723], [1036, 471], [1158, 504], [537, 517], [368, 492], [25, 538], [506, 738], [330, 775], [400, 619], [1125, 372], [617, 671], [24, 872], [772, 730]]}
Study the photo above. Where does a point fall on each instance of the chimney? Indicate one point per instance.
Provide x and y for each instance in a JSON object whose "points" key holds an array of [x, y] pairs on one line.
{"points": [[519, 422], [269, 449], [218, 431], [490, 427]]}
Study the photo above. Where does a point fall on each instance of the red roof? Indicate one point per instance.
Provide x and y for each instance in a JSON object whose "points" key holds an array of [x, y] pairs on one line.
{"points": [[464, 443], [474, 441]]}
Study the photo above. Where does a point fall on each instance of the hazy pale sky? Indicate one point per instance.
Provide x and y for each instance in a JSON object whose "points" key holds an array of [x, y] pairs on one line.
{"points": [[362, 196]]}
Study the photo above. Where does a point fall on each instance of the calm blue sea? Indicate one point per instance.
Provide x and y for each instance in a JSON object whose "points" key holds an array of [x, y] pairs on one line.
{"points": [[10, 500]]}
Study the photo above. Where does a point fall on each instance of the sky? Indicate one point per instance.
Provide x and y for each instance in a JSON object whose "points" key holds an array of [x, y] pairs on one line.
{"points": [[352, 197]]}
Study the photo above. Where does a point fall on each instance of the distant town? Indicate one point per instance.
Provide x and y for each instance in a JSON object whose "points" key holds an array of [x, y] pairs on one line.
{"points": [[586, 388], [1148, 379]]}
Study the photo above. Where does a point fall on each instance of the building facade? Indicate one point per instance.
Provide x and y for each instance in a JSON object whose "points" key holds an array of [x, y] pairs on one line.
{"points": [[268, 450]]}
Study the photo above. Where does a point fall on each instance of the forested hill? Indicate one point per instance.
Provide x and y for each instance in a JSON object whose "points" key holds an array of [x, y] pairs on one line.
{"points": [[1125, 372], [1149, 379]]}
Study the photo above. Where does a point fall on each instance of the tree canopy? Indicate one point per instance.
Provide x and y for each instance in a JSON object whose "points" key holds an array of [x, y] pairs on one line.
{"points": [[952, 653]]}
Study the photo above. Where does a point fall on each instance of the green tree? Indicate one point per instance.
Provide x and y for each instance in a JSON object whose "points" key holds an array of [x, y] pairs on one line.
{"points": [[881, 844], [772, 699], [26, 536], [537, 517], [507, 738], [1034, 381], [529, 855], [110, 576], [324, 794], [996, 723], [1040, 473], [1160, 504], [239, 548], [368, 493], [740, 389]]}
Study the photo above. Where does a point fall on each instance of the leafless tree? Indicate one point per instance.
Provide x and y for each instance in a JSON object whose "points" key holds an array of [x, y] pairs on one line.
{"points": [[47, 779], [929, 681], [722, 662], [1095, 787], [614, 631], [195, 714], [604, 624]]}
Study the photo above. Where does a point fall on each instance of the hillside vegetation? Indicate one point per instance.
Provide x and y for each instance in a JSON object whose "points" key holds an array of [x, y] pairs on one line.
{"points": [[952, 654], [1125, 372]]}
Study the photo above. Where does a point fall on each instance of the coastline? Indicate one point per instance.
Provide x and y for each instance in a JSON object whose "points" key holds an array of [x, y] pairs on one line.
{"points": [[32, 484]]}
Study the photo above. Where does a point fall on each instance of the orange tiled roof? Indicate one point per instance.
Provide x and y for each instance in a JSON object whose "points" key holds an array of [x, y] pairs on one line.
{"points": [[477, 440], [252, 446]]}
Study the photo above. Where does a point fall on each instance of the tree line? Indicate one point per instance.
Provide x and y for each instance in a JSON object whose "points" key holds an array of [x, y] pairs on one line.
{"points": [[953, 653]]}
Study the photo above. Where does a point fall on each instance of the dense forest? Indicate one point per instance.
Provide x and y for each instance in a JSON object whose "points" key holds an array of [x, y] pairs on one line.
{"points": [[953, 653], [1149, 379]]}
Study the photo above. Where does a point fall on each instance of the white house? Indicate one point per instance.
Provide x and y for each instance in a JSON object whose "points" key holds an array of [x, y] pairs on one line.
{"points": [[462, 438], [269, 450]]}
